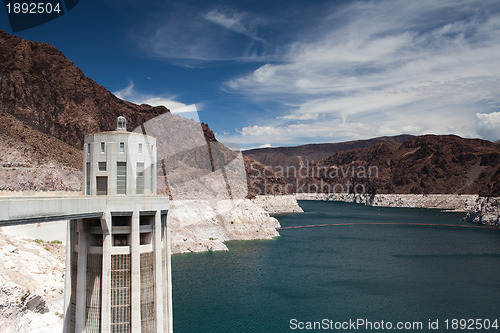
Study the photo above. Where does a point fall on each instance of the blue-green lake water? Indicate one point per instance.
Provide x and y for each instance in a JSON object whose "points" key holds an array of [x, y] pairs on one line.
{"points": [[394, 273]]}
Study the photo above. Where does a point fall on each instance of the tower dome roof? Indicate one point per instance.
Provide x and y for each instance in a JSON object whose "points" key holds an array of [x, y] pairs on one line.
{"points": [[121, 124]]}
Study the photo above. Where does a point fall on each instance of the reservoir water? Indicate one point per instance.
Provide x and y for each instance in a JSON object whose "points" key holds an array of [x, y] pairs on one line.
{"points": [[419, 268]]}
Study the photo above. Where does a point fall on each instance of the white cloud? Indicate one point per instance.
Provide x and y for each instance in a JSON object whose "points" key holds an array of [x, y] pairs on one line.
{"points": [[192, 35], [231, 21], [489, 119], [240, 22], [187, 111], [130, 94], [383, 68], [304, 116], [265, 145], [489, 125]]}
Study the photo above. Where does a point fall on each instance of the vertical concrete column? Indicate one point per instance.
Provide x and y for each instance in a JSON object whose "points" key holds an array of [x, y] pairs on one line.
{"points": [[81, 279], [106, 273], [135, 263], [158, 272], [168, 314], [67, 277]]}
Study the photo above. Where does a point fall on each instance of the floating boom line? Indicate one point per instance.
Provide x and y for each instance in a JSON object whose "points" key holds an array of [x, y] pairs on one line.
{"points": [[389, 223]]}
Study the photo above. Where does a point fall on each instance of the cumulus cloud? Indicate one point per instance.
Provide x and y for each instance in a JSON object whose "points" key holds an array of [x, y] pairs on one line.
{"points": [[489, 125], [383, 68]]}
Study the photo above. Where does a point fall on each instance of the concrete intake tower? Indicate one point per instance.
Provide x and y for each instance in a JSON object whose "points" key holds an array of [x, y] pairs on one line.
{"points": [[118, 264]]}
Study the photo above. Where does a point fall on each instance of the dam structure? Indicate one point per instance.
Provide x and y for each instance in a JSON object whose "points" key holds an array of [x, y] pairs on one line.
{"points": [[118, 271]]}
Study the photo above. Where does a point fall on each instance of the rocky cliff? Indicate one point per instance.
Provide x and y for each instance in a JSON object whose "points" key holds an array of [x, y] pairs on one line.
{"points": [[283, 157], [204, 225], [31, 285], [27, 164], [277, 204], [485, 211], [429, 164]]}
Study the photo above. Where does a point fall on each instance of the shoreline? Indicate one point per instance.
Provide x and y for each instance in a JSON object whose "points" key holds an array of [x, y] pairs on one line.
{"points": [[479, 210]]}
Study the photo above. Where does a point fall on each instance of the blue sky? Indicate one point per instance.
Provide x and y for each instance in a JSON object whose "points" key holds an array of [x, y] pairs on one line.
{"points": [[292, 72]]}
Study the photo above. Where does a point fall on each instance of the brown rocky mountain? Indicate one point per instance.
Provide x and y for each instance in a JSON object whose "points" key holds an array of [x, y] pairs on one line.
{"points": [[287, 161], [262, 179], [32, 160], [47, 106], [282, 157], [45, 90], [424, 165]]}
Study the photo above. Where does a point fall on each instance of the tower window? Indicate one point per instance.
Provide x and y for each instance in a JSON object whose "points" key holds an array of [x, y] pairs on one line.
{"points": [[140, 178], [121, 178], [122, 147], [102, 185], [87, 178], [103, 147], [88, 148], [140, 148], [153, 174], [102, 166]]}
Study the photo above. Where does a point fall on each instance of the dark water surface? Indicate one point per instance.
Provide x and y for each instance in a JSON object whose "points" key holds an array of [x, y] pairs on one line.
{"points": [[394, 273]]}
